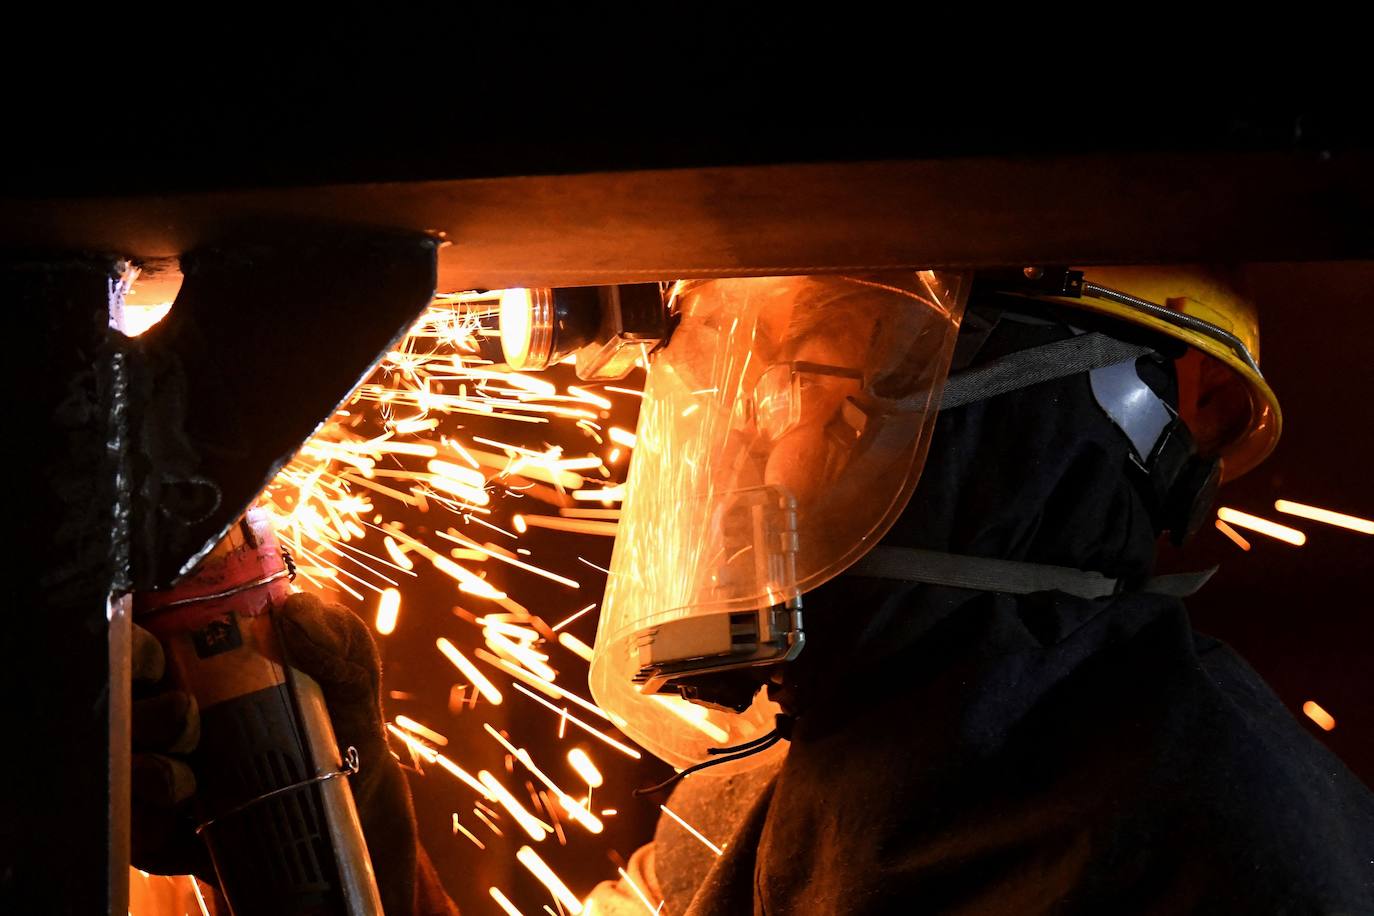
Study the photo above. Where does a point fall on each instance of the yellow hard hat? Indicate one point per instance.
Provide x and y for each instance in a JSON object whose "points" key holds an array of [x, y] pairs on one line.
{"points": [[1230, 409]]}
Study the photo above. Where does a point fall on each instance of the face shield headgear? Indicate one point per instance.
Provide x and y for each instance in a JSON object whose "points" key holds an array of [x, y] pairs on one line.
{"points": [[782, 431]]}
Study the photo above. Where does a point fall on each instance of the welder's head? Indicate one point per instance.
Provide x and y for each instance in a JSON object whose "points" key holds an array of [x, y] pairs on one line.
{"points": [[783, 430], [841, 364]]}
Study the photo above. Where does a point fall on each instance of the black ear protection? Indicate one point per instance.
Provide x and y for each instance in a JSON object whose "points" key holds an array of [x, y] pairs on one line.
{"points": [[1182, 485], [1178, 484]]}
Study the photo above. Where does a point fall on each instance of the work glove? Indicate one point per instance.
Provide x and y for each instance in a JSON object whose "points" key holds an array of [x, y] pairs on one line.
{"points": [[333, 646], [165, 728]]}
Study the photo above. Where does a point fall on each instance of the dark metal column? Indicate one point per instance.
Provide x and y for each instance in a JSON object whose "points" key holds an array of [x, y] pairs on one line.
{"points": [[135, 457], [65, 824]]}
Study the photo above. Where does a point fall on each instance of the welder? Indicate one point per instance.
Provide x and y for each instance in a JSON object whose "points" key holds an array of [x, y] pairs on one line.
{"points": [[950, 681], [883, 593]]}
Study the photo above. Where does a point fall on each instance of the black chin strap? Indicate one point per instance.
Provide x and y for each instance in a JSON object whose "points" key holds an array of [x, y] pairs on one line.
{"points": [[782, 729]]}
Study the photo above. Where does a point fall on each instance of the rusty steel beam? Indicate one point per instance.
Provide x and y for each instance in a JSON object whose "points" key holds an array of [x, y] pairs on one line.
{"points": [[664, 224]]}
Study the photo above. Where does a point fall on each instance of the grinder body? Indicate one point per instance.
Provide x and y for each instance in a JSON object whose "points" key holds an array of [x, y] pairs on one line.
{"points": [[272, 795]]}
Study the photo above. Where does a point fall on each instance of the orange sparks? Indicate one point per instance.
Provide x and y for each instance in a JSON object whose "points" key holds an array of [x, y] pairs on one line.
{"points": [[457, 472], [576, 810], [582, 763], [1325, 516], [574, 525], [457, 538], [1324, 719], [460, 699], [536, 828], [526, 462], [548, 688], [430, 755], [462, 452], [589, 729], [387, 610], [467, 581], [567, 620], [200, 898], [415, 425], [417, 747], [605, 494], [591, 398], [482, 816], [397, 555], [459, 828], [469, 517], [600, 569], [502, 624], [423, 731], [625, 876], [470, 671], [384, 490], [503, 902], [1233, 534], [527, 383], [519, 653], [371, 556], [419, 449], [465, 493], [576, 464], [699, 717], [690, 829], [575, 646], [395, 446], [1262, 526], [589, 513], [553, 816], [530, 859]]}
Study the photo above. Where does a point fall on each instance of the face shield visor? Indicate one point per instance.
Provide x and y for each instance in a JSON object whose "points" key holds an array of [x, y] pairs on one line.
{"points": [[782, 431]]}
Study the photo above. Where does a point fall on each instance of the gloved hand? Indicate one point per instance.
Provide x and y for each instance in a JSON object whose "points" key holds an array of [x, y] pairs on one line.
{"points": [[333, 646], [165, 727]]}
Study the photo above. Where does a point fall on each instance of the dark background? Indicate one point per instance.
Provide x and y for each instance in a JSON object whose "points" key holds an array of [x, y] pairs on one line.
{"points": [[1302, 615]]}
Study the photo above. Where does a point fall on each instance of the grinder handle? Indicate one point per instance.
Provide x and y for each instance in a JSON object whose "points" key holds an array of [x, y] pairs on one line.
{"points": [[356, 878], [277, 814]]}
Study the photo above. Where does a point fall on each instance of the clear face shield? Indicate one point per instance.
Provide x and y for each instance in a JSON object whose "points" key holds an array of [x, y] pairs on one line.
{"points": [[782, 431]]}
